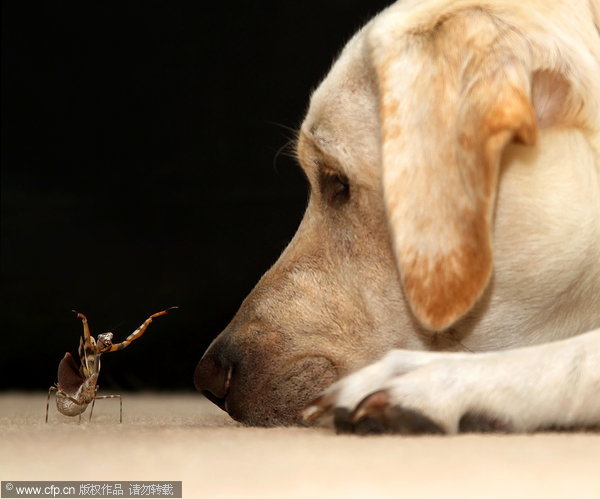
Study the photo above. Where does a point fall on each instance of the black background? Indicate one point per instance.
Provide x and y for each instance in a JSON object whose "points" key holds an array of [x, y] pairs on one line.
{"points": [[140, 170]]}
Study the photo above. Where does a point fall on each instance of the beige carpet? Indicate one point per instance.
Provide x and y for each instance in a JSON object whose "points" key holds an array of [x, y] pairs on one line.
{"points": [[183, 437]]}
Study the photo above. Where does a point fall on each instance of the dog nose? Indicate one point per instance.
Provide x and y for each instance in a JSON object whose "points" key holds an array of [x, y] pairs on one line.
{"points": [[212, 378]]}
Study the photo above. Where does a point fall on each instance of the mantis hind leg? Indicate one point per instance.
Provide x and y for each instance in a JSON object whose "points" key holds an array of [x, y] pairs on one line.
{"points": [[50, 390], [110, 397], [92, 408]]}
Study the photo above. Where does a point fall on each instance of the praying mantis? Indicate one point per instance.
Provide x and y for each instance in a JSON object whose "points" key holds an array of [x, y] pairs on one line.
{"points": [[77, 386]]}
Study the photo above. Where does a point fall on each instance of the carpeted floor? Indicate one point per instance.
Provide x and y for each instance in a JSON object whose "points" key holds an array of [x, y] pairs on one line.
{"points": [[184, 437]]}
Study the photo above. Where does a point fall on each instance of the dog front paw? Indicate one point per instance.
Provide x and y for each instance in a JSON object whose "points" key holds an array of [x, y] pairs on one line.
{"points": [[377, 414], [430, 399]]}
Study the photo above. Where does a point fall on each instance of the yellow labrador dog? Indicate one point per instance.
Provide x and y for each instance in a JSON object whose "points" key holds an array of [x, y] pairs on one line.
{"points": [[452, 239]]}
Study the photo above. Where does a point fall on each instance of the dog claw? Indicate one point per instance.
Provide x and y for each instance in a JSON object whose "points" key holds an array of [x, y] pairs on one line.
{"points": [[316, 409], [312, 414], [371, 405]]}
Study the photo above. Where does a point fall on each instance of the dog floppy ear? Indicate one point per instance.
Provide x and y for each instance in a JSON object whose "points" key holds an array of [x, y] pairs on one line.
{"points": [[452, 96]]}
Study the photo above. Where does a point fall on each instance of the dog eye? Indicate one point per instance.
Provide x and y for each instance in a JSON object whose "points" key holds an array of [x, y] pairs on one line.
{"points": [[335, 187]]}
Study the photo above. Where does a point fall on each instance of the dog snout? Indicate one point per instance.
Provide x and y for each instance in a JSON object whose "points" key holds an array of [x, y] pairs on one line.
{"points": [[213, 376]]}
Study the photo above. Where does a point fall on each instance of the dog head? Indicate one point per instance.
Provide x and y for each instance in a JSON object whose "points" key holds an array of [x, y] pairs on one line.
{"points": [[401, 147]]}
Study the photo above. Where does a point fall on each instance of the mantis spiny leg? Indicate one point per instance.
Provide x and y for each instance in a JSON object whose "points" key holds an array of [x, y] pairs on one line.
{"points": [[138, 332]]}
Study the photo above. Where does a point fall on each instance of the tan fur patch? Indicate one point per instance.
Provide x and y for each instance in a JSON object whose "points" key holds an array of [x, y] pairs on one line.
{"points": [[441, 290], [453, 131]]}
